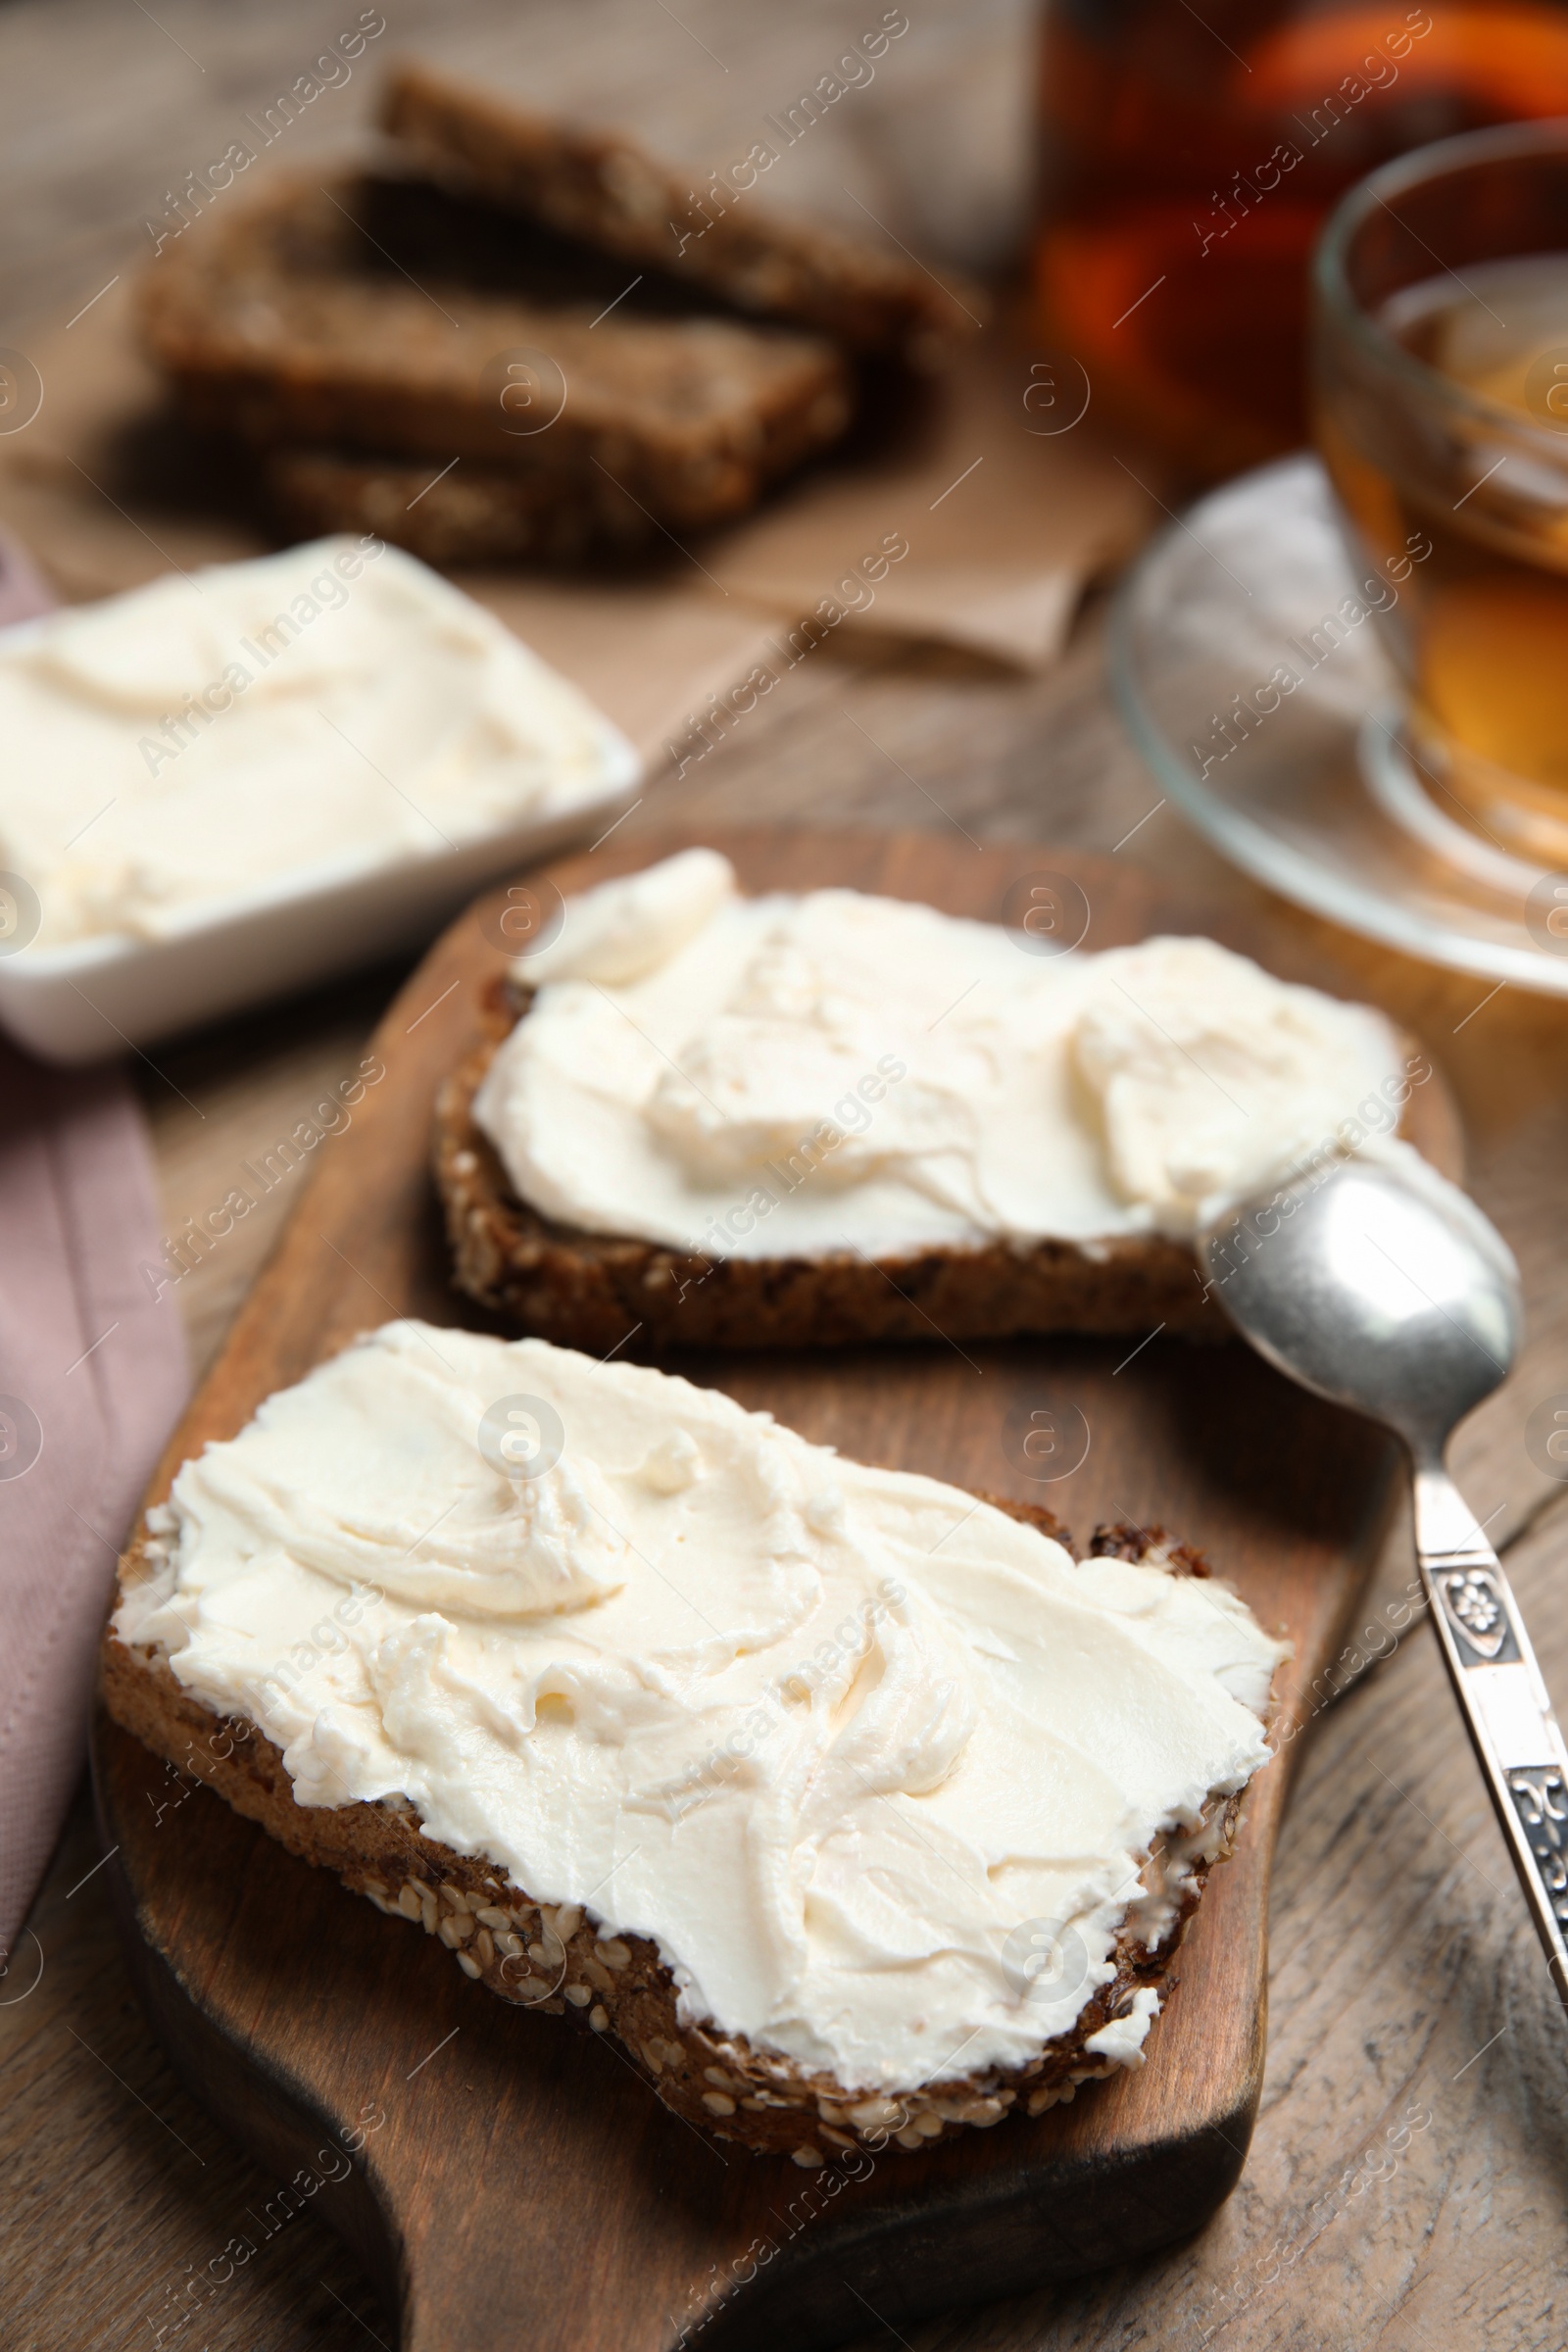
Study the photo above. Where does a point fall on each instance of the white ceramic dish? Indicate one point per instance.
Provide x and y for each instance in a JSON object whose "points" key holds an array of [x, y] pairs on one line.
{"points": [[95, 996], [209, 913]]}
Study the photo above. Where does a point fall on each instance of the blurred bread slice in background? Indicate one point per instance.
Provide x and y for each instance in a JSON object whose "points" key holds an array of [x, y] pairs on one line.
{"points": [[603, 187], [470, 515]]}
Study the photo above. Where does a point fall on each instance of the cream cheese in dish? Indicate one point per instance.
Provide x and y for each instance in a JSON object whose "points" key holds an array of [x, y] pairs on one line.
{"points": [[793, 1076], [310, 716], [843, 1742]]}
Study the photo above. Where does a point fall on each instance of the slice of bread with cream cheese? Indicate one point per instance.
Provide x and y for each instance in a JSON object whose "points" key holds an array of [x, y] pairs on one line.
{"points": [[703, 1118], [854, 1806]]}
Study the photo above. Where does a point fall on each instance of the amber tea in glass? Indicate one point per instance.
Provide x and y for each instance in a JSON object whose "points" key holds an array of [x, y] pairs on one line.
{"points": [[1441, 389]]}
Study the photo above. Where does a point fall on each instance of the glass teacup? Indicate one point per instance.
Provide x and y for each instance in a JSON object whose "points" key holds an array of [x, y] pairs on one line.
{"points": [[1440, 391]]}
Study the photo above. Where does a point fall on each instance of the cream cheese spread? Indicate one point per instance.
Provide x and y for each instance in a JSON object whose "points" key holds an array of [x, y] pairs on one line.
{"points": [[301, 717], [879, 1768], [793, 1076]]}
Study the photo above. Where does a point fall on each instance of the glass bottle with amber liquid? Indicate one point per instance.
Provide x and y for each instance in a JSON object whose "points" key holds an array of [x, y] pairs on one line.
{"points": [[1190, 157]]}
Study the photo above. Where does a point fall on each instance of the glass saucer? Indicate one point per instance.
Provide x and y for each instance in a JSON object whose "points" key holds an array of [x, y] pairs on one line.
{"points": [[1308, 787]]}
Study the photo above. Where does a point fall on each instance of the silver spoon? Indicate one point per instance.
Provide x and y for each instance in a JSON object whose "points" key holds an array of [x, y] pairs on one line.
{"points": [[1389, 1292]]}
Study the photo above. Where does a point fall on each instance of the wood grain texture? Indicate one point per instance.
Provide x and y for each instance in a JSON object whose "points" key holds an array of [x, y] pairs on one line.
{"points": [[1400, 1951], [277, 1998]]}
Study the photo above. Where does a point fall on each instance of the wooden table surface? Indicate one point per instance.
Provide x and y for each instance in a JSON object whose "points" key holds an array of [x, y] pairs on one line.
{"points": [[1408, 2187]]}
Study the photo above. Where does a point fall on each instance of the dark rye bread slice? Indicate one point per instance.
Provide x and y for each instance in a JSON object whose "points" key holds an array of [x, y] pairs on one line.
{"points": [[601, 186], [597, 1292], [474, 514], [393, 316], [541, 1957]]}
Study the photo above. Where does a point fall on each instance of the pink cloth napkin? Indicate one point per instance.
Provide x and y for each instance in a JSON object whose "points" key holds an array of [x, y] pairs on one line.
{"points": [[92, 1373]]}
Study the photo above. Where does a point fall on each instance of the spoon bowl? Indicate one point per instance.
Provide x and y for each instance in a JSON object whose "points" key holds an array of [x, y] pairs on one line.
{"points": [[1393, 1295]]}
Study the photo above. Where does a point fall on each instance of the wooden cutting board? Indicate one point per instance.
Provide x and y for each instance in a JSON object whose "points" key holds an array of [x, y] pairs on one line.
{"points": [[511, 2180]]}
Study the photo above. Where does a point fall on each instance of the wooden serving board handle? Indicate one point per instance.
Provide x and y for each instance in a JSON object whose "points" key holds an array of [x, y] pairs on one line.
{"points": [[511, 2179]]}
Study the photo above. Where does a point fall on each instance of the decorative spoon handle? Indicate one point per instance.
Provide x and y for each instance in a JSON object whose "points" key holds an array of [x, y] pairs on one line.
{"points": [[1503, 1700]]}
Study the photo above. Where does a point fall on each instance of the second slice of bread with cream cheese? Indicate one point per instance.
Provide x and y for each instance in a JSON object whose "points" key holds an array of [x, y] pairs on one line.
{"points": [[705, 1119]]}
